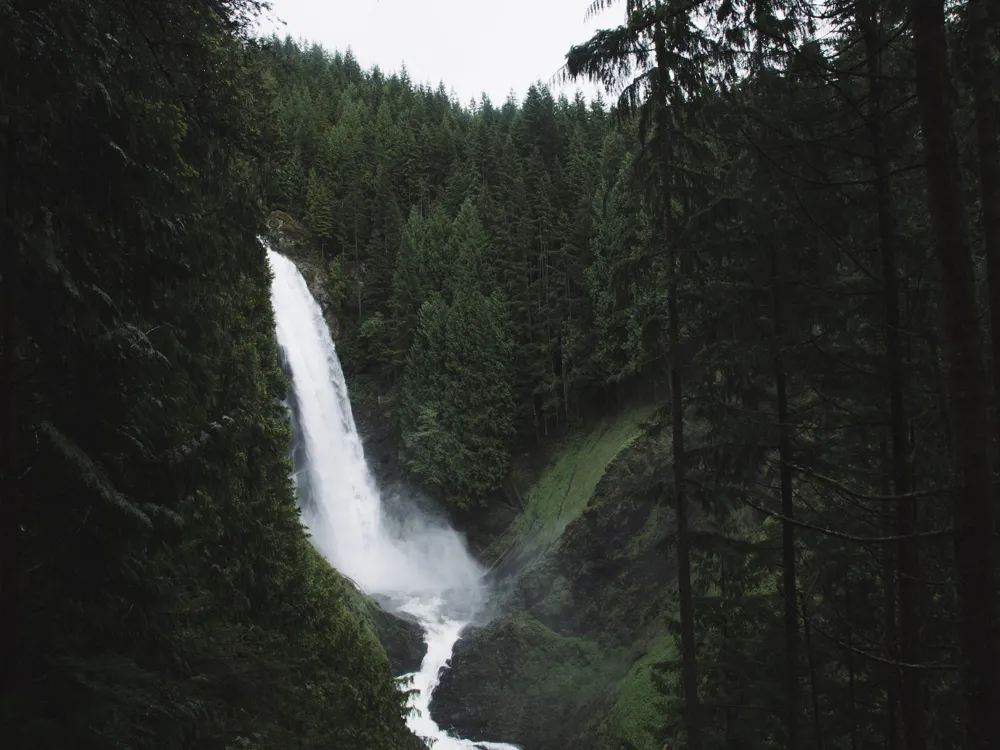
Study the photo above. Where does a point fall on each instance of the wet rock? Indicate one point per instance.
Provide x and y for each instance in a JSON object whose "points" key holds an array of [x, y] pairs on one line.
{"points": [[515, 680], [402, 638], [400, 634]]}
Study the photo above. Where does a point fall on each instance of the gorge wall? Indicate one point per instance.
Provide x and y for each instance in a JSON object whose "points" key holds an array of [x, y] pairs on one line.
{"points": [[583, 610]]}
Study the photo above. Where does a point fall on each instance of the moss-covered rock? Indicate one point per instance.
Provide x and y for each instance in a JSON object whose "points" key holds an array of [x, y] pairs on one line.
{"points": [[339, 667], [515, 680]]}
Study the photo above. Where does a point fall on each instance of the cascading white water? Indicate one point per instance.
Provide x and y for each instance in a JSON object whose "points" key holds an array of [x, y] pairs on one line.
{"points": [[420, 564]]}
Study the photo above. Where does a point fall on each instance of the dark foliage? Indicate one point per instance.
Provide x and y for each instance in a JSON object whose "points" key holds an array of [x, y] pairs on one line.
{"points": [[157, 587]]}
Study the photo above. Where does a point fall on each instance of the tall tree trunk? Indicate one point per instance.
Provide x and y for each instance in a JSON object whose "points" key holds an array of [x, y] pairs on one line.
{"points": [[689, 658], [974, 547], [911, 710], [892, 733], [851, 680], [688, 652], [8, 490], [357, 257], [984, 80], [889, 570], [565, 379], [728, 730], [813, 682], [789, 585]]}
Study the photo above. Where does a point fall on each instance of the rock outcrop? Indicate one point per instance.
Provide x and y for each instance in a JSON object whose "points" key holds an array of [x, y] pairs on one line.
{"points": [[400, 635], [402, 638]]}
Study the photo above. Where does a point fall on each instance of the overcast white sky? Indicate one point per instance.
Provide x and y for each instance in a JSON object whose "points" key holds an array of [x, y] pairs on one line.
{"points": [[474, 46]]}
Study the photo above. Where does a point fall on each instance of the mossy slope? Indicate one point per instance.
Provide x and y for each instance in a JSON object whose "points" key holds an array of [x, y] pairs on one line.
{"points": [[568, 661], [563, 489]]}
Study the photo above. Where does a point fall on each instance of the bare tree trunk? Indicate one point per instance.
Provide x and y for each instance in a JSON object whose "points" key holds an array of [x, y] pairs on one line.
{"points": [[728, 711], [565, 379], [688, 651], [8, 491], [813, 690], [893, 738], [974, 547], [689, 658], [984, 81], [357, 257], [789, 585], [851, 681], [911, 710]]}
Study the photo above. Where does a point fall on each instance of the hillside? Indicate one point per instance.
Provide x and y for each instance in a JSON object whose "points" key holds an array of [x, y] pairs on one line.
{"points": [[157, 589], [582, 615]]}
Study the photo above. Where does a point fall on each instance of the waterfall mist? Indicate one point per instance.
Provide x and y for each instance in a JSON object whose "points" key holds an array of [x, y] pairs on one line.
{"points": [[413, 561]]}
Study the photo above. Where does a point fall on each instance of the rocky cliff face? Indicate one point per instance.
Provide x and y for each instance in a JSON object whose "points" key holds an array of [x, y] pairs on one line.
{"points": [[290, 238], [568, 660]]}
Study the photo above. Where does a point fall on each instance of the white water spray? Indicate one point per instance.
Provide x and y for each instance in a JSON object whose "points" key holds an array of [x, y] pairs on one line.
{"points": [[420, 564]]}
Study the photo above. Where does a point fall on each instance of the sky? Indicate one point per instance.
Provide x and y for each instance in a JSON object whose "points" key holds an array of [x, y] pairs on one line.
{"points": [[473, 46]]}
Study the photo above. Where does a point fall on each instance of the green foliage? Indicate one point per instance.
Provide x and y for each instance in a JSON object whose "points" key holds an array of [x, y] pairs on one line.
{"points": [[778, 174], [431, 199], [634, 718], [403, 639], [336, 288], [419, 273], [494, 275], [767, 187], [456, 418], [157, 589]]}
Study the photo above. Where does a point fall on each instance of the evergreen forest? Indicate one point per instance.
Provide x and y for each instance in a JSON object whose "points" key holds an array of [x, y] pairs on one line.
{"points": [[778, 232]]}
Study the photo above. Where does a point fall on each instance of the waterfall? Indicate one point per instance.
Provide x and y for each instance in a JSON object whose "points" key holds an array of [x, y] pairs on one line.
{"points": [[420, 564]]}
